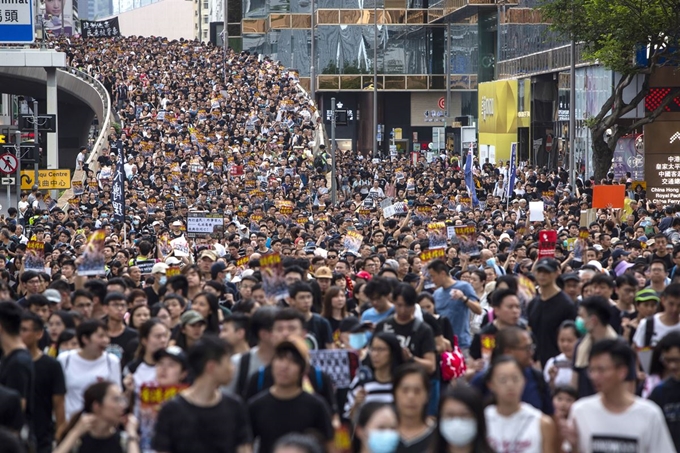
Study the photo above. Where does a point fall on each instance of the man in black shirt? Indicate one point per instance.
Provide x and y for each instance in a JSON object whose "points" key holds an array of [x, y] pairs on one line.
{"points": [[121, 335], [667, 394], [50, 386], [548, 309], [415, 336], [202, 418], [16, 369], [286, 408]]}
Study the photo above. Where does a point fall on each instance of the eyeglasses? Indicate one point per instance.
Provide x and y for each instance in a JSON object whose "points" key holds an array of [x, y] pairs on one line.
{"points": [[528, 348], [379, 349], [670, 360], [118, 306]]}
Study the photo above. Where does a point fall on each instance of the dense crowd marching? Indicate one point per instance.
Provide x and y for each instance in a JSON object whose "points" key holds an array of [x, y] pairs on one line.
{"points": [[429, 309]]}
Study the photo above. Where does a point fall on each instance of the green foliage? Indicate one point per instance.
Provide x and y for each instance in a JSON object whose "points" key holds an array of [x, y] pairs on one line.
{"points": [[611, 30]]}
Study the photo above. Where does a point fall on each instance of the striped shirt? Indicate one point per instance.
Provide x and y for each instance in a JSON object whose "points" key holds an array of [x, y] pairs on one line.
{"points": [[375, 392]]}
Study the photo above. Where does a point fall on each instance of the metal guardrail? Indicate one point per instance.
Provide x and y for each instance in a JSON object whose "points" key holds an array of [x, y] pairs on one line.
{"points": [[553, 60], [105, 123]]}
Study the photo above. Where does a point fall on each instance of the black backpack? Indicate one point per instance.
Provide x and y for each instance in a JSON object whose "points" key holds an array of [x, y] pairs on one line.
{"points": [[649, 331]]}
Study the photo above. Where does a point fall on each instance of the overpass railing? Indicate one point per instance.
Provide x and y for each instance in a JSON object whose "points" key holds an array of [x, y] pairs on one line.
{"points": [[104, 125]]}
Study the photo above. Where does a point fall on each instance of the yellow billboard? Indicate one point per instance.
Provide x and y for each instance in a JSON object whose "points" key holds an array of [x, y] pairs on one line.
{"points": [[504, 105]]}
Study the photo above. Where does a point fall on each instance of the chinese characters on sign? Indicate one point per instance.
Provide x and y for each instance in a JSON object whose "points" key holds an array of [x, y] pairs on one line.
{"points": [[204, 224], [103, 28]]}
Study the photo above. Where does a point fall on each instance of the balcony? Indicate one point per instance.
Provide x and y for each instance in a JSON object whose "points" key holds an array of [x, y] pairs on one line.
{"points": [[458, 10]]}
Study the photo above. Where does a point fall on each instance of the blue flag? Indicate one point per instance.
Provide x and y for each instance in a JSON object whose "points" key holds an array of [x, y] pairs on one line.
{"points": [[512, 171], [469, 180]]}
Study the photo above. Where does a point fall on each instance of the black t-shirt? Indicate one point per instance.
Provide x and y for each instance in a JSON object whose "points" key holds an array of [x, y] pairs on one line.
{"points": [[121, 346], [111, 444], [319, 332], [272, 418], [418, 339], [183, 427], [667, 396], [11, 415], [545, 317], [320, 381], [476, 346], [151, 296], [49, 381], [18, 373]]}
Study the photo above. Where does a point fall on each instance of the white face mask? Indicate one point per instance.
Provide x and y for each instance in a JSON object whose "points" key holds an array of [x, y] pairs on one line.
{"points": [[458, 431]]}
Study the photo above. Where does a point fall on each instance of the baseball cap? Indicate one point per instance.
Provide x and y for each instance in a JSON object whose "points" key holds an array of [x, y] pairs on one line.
{"points": [[571, 276], [411, 278], [217, 267], [175, 353], [52, 295], [159, 268], [191, 317], [647, 295], [177, 223], [323, 272], [618, 253], [296, 346], [548, 265], [363, 274], [172, 261], [208, 254]]}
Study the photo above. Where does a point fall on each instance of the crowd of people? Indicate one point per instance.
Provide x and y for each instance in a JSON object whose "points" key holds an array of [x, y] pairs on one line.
{"points": [[428, 309]]}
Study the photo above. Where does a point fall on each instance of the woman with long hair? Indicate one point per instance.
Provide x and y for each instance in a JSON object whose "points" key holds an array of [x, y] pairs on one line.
{"points": [[58, 322], [461, 427], [376, 429], [193, 275], [513, 425], [334, 309], [208, 306], [374, 383], [96, 428], [67, 341], [139, 314], [410, 388]]}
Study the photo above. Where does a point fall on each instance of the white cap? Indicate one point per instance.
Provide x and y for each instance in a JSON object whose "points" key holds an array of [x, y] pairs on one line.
{"points": [[159, 268]]}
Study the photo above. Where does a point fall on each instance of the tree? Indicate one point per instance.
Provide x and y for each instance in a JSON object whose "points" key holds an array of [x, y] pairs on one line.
{"points": [[612, 31]]}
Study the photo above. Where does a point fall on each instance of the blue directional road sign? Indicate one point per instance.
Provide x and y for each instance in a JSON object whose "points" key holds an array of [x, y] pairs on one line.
{"points": [[16, 22]]}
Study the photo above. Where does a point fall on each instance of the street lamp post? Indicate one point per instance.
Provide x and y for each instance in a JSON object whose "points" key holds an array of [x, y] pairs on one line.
{"points": [[375, 78]]}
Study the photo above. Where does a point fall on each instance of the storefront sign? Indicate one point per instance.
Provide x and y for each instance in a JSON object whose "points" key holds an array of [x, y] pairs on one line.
{"points": [[487, 107], [662, 161]]}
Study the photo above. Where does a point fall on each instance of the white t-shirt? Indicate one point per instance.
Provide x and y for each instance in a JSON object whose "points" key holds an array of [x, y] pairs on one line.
{"points": [[79, 374], [518, 433], [640, 429], [660, 331], [564, 373]]}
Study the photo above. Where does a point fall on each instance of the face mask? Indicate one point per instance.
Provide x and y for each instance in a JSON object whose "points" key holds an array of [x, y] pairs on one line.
{"points": [[163, 280], [227, 279], [357, 340], [581, 326], [458, 431], [491, 262], [383, 440]]}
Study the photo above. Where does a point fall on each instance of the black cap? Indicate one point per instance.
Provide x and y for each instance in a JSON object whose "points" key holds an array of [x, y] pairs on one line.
{"points": [[548, 264], [618, 253], [571, 276], [175, 353], [411, 278]]}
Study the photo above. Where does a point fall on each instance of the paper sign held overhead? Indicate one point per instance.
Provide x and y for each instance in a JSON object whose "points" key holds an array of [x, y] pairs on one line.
{"points": [[609, 196]]}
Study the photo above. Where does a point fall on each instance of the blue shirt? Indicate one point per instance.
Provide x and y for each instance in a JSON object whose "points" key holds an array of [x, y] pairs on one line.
{"points": [[372, 315], [456, 310]]}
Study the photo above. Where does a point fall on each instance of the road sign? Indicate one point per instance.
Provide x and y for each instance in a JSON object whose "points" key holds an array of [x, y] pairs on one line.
{"points": [[47, 179], [17, 22], [7, 180], [3, 139], [441, 103], [45, 123], [8, 164]]}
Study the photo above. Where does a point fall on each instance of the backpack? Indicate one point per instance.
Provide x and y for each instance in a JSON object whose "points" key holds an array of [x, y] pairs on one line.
{"points": [[649, 331], [243, 368]]}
